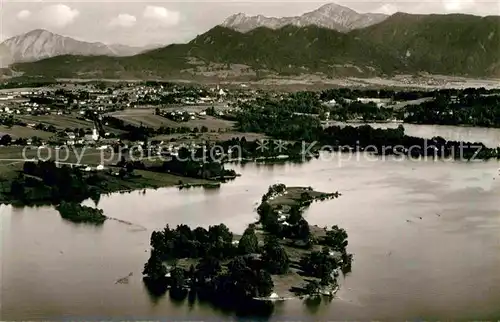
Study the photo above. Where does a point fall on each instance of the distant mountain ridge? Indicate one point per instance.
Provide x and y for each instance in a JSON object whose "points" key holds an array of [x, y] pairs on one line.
{"points": [[40, 44], [331, 16], [454, 44]]}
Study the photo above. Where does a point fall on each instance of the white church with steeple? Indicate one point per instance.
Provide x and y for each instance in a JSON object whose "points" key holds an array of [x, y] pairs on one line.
{"points": [[92, 137]]}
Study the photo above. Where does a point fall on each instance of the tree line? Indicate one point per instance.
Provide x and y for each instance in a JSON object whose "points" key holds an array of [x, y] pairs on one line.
{"points": [[464, 109], [279, 121], [44, 182], [224, 275]]}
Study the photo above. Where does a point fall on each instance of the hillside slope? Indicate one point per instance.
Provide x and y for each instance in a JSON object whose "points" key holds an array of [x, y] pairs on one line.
{"points": [[40, 44], [443, 44], [438, 44]]}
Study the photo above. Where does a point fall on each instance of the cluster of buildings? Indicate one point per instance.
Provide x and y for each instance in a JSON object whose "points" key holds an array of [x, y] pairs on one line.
{"points": [[183, 116], [143, 95], [45, 102], [77, 98], [72, 139], [85, 101]]}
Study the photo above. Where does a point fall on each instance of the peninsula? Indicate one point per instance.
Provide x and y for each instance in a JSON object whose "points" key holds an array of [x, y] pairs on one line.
{"points": [[281, 256]]}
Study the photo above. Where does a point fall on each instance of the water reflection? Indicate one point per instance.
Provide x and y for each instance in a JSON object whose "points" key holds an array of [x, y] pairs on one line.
{"points": [[156, 295], [313, 304]]}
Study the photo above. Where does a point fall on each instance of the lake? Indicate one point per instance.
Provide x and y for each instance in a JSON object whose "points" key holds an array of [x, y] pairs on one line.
{"points": [[489, 136], [424, 234]]}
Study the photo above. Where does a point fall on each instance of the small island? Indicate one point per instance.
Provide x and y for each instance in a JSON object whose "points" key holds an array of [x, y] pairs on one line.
{"points": [[277, 258], [80, 214]]}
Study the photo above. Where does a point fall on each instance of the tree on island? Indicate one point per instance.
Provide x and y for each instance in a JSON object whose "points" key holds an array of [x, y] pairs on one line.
{"points": [[319, 264], [264, 284], [177, 280], [294, 215], [270, 220], [304, 197], [207, 269], [154, 270], [302, 230], [80, 214], [275, 256], [248, 243], [220, 233], [246, 282], [336, 238], [312, 287]]}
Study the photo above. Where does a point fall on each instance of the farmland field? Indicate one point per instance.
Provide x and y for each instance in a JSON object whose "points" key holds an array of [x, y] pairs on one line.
{"points": [[24, 132], [143, 117], [211, 123], [62, 122], [59, 121], [147, 118]]}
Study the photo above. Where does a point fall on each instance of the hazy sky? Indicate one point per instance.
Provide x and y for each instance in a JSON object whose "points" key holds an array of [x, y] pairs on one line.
{"points": [[164, 22]]}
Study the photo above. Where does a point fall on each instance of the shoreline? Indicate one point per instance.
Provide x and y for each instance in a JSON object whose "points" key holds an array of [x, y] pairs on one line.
{"points": [[297, 297]]}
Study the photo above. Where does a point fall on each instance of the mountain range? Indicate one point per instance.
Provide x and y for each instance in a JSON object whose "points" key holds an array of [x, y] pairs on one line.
{"points": [[40, 44], [331, 16], [454, 44]]}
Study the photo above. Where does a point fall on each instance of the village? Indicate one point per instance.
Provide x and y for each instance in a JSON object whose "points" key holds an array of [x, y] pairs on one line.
{"points": [[160, 118], [76, 114], [98, 113]]}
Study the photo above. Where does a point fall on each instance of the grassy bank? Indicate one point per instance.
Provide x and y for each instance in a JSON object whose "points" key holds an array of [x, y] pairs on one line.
{"points": [[153, 180], [107, 182]]}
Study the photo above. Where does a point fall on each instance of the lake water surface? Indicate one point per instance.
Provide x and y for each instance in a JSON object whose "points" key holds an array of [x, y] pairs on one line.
{"points": [[425, 237], [489, 136]]}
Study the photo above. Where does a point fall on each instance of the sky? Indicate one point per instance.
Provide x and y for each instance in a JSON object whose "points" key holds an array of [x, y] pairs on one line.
{"points": [[162, 22]]}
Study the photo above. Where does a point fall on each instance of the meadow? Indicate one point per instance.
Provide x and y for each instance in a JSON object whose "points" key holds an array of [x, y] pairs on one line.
{"points": [[146, 117], [24, 132]]}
